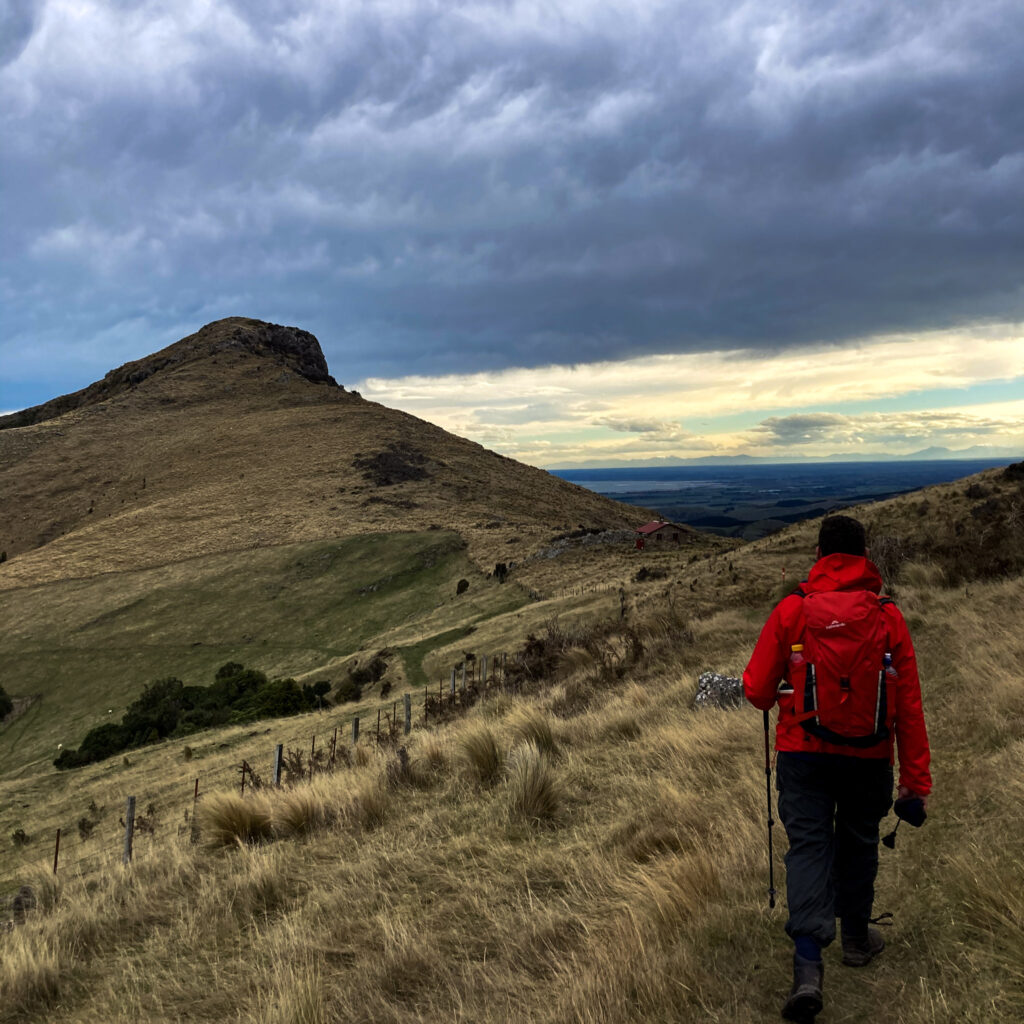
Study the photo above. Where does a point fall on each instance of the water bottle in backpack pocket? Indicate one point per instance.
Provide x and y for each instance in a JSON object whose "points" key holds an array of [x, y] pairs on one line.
{"points": [[842, 696]]}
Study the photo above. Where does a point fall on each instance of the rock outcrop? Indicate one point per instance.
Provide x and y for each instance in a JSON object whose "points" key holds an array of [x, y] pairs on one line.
{"points": [[295, 349]]}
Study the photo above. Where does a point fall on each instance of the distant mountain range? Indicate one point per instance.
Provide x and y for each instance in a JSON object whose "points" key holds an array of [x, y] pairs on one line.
{"points": [[933, 454]]}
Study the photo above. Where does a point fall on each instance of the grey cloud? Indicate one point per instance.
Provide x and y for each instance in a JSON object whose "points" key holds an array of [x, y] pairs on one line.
{"points": [[665, 428], [17, 21], [801, 428], [435, 188], [876, 428]]}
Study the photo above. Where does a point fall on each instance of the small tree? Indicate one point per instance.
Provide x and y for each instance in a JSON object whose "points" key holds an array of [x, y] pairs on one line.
{"points": [[6, 704]]}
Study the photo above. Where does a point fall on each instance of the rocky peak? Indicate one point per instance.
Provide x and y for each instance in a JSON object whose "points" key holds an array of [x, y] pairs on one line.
{"points": [[294, 348]]}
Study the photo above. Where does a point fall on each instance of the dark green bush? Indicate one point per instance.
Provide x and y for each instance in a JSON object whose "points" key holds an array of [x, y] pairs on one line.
{"points": [[6, 704], [169, 708], [371, 672], [316, 694], [347, 690]]}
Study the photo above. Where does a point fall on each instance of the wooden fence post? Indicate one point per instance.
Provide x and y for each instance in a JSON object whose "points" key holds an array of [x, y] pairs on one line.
{"points": [[312, 751], [483, 670], [193, 826], [56, 852], [334, 745], [453, 676], [463, 680], [408, 713], [355, 731], [378, 726], [278, 756], [129, 830]]}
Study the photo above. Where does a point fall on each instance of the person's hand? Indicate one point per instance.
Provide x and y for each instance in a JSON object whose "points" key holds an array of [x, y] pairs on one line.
{"points": [[902, 792]]}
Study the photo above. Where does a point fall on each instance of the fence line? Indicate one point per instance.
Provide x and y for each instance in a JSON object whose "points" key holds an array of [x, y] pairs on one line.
{"points": [[477, 677]]}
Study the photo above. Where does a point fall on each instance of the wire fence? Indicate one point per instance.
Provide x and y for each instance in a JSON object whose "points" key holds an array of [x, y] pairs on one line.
{"points": [[97, 843]]}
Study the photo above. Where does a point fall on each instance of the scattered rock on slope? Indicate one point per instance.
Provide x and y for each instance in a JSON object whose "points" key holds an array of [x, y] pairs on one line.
{"points": [[715, 690]]}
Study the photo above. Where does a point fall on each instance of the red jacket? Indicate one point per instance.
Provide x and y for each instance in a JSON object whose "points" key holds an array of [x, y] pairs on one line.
{"points": [[770, 661]]}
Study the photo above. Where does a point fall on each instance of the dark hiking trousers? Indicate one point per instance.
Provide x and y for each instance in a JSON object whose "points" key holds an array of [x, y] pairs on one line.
{"points": [[831, 807]]}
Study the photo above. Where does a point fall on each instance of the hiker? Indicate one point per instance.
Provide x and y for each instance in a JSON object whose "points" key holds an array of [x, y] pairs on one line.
{"points": [[849, 688]]}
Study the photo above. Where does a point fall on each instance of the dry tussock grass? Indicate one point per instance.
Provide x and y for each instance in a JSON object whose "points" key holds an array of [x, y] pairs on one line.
{"points": [[300, 811], [370, 803], [432, 753], [671, 894], [480, 754], [659, 818], [529, 724], [30, 972], [227, 819], [298, 997], [535, 794], [643, 900], [923, 575]]}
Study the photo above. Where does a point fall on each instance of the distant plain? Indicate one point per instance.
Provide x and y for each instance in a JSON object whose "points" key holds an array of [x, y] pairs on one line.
{"points": [[752, 501]]}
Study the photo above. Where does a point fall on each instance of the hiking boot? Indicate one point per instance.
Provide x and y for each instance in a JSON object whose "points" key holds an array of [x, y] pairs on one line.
{"points": [[804, 1001], [860, 950]]}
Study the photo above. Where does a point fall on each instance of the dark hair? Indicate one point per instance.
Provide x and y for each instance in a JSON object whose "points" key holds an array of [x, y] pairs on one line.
{"points": [[841, 535]]}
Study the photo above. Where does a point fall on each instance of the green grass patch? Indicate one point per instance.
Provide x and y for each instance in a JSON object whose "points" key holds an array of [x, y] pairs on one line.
{"points": [[414, 654], [89, 647]]}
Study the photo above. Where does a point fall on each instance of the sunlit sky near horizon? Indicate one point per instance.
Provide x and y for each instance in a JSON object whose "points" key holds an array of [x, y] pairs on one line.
{"points": [[576, 232]]}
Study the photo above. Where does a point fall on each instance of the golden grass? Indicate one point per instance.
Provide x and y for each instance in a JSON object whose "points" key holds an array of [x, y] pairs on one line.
{"points": [[535, 794], [370, 803], [480, 754], [298, 997], [299, 812], [30, 973], [529, 724], [227, 819], [432, 753], [646, 901]]}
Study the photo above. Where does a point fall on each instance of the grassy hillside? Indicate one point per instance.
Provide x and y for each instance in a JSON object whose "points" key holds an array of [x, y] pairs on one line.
{"points": [[639, 894], [225, 447], [592, 849], [620, 876], [86, 646]]}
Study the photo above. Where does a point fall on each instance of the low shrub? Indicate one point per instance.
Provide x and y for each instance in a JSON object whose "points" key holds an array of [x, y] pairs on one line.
{"points": [[371, 672], [348, 691]]}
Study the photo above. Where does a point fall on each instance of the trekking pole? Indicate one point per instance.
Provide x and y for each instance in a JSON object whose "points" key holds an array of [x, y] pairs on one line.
{"points": [[771, 820]]}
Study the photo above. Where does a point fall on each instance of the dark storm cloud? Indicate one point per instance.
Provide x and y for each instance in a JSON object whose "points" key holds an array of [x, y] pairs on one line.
{"points": [[435, 187]]}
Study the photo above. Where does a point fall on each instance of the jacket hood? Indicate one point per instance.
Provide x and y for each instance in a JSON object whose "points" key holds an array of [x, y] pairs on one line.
{"points": [[844, 572]]}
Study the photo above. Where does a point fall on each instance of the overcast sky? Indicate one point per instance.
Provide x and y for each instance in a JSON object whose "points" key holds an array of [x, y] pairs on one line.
{"points": [[568, 230]]}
